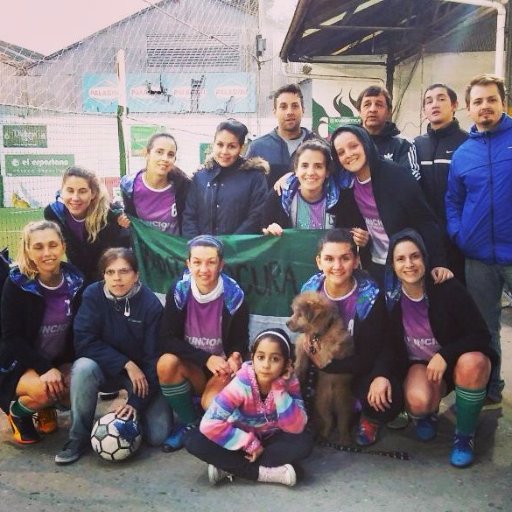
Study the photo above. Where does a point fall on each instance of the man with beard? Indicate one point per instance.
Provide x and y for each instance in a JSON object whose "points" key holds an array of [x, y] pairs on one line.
{"points": [[478, 208]]}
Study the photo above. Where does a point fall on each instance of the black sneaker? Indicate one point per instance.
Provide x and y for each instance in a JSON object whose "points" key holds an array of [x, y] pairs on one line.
{"points": [[71, 452], [23, 429]]}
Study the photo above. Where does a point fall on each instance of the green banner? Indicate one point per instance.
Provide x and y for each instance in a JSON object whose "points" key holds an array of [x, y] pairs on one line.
{"points": [[270, 269], [25, 136], [37, 165]]}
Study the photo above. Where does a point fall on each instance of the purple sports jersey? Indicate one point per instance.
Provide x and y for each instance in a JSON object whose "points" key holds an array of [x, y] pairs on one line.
{"points": [[51, 340], [203, 325], [76, 226], [346, 306], [306, 215], [157, 207], [419, 339], [363, 194]]}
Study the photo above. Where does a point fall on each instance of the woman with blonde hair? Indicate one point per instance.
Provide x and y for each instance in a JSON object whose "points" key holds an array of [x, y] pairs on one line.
{"points": [[39, 301], [87, 220]]}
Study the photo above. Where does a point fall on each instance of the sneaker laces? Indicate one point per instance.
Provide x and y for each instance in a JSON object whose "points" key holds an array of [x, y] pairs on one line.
{"points": [[464, 442]]}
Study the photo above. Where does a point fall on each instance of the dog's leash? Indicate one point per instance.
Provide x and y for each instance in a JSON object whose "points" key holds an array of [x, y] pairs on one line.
{"points": [[393, 454], [308, 400]]}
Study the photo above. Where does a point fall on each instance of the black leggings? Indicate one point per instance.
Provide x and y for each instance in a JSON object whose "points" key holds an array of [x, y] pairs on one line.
{"points": [[281, 448], [397, 403]]}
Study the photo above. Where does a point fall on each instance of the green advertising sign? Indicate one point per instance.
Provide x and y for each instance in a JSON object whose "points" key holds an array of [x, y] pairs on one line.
{"points": [[25, 136], [336, 122], [205, 148], [139, 136], [37, 165]]}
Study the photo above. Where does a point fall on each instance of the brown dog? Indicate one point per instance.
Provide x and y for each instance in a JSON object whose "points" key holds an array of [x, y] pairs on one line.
{"points": [[324, 338]]}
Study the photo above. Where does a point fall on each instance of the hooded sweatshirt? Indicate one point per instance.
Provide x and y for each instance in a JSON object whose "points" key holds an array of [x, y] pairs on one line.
{"points": [[398, 196], [456, 323]]}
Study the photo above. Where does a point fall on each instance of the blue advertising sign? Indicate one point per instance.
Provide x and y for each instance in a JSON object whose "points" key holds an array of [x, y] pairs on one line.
{"points": [[176, 93]]}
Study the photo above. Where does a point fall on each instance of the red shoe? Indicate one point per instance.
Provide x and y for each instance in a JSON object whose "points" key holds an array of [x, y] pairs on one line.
{"points": [[367, 432]]}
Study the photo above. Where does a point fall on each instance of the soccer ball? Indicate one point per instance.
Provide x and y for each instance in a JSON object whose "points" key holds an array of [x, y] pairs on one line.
{"points": [[115, 439]]}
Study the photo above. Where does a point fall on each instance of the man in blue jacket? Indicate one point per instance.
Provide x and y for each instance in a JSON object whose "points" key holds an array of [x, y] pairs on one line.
{"points": [[278, 146], [478, 206]]}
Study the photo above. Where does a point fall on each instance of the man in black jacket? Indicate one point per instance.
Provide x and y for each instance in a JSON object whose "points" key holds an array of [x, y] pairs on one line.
{"points": [[435, 149], [375, 107]]}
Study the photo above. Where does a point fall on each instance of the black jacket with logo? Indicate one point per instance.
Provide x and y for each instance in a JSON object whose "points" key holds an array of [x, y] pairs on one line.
{"points": [[435, 149]]}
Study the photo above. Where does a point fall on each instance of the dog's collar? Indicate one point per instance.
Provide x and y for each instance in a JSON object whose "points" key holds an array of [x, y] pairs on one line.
{"points": [[317, 335], [314, 339]]}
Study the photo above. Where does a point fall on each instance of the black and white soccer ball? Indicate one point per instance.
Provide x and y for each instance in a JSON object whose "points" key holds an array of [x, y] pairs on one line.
{"points": [[115, 439]]}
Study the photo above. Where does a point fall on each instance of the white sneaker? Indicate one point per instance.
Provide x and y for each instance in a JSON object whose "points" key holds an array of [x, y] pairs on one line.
{"points": [[216, 475], [279, 475]]}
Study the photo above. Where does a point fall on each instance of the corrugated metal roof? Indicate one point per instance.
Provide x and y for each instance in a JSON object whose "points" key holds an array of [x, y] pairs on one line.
{"points": [[327, 31]]}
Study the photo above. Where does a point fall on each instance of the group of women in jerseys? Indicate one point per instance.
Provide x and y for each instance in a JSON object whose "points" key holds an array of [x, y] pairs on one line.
{"points": [[73, 328]]}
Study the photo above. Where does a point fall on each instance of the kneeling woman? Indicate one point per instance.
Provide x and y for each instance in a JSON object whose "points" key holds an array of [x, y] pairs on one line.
{"points": [[254, 427], [39, 300], [443, 343], [116, 340], [204, 334], [362, 308]]}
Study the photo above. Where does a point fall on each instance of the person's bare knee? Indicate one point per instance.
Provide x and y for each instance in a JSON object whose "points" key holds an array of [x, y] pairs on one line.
{"points": [[472, 370], [169, 369], [213, 388]]}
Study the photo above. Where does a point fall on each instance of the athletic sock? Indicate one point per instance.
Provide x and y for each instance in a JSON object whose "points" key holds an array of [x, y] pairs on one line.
{"points": [[469, 402], [19, 410], [179, 397]]}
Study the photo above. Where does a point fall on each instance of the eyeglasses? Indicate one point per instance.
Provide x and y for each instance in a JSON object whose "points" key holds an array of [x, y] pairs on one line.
{"points": [[121, 272]]}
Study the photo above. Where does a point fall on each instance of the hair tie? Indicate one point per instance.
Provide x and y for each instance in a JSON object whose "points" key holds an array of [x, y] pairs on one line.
{"points": [[279, 335], [205, 239]]}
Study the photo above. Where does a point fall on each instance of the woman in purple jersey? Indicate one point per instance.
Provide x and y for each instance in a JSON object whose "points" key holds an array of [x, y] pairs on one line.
{"points": [[387, 197], [440, 343], [204, 334], [87, 220], [39, 301], [362, 308], [310, 197], [157, 193]]}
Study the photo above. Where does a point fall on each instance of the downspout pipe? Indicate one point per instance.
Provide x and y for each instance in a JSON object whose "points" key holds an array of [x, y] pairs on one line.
{"points": [[501, 11]]}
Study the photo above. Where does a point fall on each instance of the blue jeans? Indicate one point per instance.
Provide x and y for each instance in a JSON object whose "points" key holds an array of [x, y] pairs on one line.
{"points": [[87, 379], [485, 284]]}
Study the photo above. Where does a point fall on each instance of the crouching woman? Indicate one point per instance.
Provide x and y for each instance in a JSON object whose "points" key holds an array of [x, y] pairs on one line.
{"points": [[443, 343], [39, 301], [116, 337]]}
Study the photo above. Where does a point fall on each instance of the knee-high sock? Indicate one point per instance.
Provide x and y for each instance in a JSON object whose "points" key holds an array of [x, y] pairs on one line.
{"points": [[179, 397], [469, 402], [19, 410]]}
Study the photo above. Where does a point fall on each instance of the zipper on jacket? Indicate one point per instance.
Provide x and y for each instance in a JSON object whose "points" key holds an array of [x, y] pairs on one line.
{"points": [[491, 183]]}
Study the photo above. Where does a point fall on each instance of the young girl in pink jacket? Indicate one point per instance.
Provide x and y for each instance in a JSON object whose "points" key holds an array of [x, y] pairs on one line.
{"points": [[254, 428]]}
